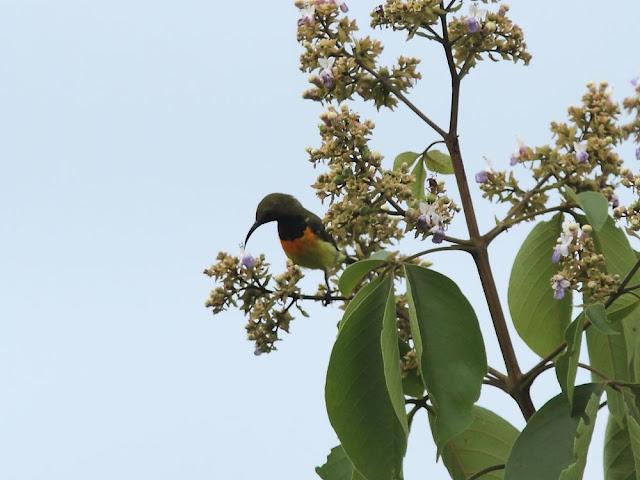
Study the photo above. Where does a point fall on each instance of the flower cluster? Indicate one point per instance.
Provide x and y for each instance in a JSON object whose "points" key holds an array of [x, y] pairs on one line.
{"points": [[410, 15], [503, 187], [245, 282], [632, 106], [583, 157], [482, 33], [582, 268], [433, 216], [356, 185], [342, 65]]}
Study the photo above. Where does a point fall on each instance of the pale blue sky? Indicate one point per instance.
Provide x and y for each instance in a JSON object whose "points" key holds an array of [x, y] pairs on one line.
{"points": [[137, 138]]}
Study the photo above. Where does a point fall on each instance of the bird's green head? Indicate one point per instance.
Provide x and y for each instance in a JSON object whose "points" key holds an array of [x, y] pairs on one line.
{"points": [[274, 207]]}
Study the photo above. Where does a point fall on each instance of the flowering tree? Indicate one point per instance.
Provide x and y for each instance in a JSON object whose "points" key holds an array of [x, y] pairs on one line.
{"points": [[408, 338]]}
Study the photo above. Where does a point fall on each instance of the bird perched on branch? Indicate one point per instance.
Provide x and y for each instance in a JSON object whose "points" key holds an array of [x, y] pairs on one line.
{"points": [[302, 234]]}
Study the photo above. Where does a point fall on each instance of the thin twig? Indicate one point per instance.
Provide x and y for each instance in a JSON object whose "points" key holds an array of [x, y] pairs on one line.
{"points": [[385, 82], [434, 250]]}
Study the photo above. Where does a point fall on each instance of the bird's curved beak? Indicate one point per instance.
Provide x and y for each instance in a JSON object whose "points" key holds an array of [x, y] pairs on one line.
{"points": [[251, 230]]}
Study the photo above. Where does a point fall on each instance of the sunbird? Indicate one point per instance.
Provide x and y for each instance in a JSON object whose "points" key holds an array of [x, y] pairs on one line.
{"points": [[302, 234]]}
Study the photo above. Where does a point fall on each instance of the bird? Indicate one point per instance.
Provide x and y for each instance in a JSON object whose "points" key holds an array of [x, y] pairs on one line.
{"points": [[302, 235]]}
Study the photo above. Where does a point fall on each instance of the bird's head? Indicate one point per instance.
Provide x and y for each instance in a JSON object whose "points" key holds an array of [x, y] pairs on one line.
{"points": [[274, 207]]}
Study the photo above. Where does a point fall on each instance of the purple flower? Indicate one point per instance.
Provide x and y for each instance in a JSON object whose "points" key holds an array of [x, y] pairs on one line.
{"points": [[523, 149], [513, 160], [473, 21], [473, 24], [559, 285], [638, 153], [422, 220], [308, 15], [615, 201], [326, 72], [635, 81], [248, 261], [558, 293], [342, 5], [438, 235], [564, 241], [482, 176], [258, 351], [581, 152]]}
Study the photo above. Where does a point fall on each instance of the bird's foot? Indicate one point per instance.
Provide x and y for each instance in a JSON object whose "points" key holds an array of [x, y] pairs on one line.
{"points": [[328, 298]]}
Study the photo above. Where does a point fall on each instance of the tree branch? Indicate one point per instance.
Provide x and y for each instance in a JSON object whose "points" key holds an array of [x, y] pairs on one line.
{"points": [[481, 256]]}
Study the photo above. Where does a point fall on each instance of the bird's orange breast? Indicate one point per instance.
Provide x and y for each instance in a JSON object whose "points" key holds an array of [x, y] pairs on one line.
{"points": [[300, 245]]}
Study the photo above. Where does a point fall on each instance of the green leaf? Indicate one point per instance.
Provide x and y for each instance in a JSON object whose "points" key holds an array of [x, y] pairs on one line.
{"points": [[540, 320], [567, 363], [618, 455], [406, 157], [620, 258], [420, 176], [582, 438], [363, 390], [554, 443], [613, 355], [608, 354], [621, 310], [355, 272], [449, 347], [362, 294], [595, 206], [571, 195], [634, 440], [337, 467], [486, 442], [439, 162], [597, 315]]}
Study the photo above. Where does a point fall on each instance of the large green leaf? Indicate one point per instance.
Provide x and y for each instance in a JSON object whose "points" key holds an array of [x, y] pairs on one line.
{"points": [[405, 157], [582, 438], [363, 391], [449, 348], [608, 354], [618, 455], [555, 441], [634, 440], [540, 320], [567, 363], [595, 206], [614, 354], [620, 259], [439, 162], [486, 442]]}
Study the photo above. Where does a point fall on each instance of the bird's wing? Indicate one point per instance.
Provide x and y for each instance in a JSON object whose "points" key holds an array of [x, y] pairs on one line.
{"points": [[317, 227]]}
